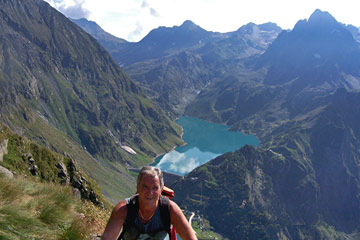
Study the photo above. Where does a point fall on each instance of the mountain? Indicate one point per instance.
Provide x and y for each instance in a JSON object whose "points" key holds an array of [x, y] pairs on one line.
{"points": [[175, 64], [163, 41], [300, 98], [355, 32], [63, 90], [175, 80], [263, 34], [267, 90], [327, 47], [108, 41], [302, 183]]}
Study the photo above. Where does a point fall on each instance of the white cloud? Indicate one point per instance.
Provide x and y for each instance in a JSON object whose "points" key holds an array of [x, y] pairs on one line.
{"points": [[154, 13], [178, 162], [185, 167], [145, 4], [183, 163], [137, 32], [71, 8]]}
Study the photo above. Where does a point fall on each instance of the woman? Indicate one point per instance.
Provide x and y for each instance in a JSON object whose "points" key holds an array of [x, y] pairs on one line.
{"points": [[148, 221]]}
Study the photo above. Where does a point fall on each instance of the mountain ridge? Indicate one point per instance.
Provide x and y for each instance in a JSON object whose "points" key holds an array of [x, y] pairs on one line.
{"points": [[59, 79]]}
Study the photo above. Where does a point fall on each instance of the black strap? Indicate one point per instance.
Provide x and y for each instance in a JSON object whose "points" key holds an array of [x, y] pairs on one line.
{"points": [[165, 214], [133, 208]]}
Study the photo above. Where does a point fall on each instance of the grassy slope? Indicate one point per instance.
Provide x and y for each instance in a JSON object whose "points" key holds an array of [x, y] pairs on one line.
{"points": [[33, 210], [41, 207]]}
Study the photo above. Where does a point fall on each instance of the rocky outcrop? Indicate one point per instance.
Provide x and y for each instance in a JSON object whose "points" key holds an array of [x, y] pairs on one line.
{"points": [[33, 167], [3, 149], [63, 173], [78, 182]]}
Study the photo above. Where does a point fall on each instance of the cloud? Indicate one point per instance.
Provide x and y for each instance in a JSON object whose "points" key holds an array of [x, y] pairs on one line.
{"points": [[145, 4], [137, 32], [73, 9], [154, 13], [185, 166], [178, 162]]}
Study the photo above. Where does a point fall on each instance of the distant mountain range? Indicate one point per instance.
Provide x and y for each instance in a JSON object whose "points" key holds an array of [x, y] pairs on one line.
{"points": [[278, 85], [175, 64]]}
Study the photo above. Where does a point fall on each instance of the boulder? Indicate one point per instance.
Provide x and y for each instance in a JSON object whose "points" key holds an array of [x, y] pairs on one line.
{"points": [[62, 173], [76, 193], [34, 170], [6, 172], [76, 183], [31, 160]]}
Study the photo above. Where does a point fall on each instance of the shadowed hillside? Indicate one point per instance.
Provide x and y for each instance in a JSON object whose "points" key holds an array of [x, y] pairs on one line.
{"points": [[65, 91]]}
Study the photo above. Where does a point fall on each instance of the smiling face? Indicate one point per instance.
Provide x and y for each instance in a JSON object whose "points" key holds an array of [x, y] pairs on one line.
{"points": [[149, 190]]}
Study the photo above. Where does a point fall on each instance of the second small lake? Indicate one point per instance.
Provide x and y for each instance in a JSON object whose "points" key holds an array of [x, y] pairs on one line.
{"points": [[204, 141]]}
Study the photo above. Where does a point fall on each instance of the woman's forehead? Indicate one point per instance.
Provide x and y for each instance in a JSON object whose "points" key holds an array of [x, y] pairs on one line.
{"points": [[149, 179]]}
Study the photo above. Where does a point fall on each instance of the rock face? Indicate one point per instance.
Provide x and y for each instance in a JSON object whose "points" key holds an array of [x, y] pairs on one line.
{"points": [[63, 173], [3, 149], [79, 182]]}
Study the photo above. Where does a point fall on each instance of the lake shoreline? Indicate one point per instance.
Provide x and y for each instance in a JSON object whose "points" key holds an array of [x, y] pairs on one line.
{"points": [[204, 141], [173, 148]]}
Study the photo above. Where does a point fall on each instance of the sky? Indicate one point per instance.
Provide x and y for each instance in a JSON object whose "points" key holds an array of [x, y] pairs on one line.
{"points": [[134, 19]]}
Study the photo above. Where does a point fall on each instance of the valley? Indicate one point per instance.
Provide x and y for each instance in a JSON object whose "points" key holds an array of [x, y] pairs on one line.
{"points": [[79, 99], [258, 81]]}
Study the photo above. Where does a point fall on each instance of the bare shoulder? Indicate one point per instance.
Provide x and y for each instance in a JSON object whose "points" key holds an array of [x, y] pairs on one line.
{"points": [[120, 207], [180, 222], [116, 221], [174, 206]]}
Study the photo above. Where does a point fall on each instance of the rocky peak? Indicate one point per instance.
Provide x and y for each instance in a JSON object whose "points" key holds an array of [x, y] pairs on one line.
{"points": [[320, 44], [189, 25], [322, 18], [180, 35]]}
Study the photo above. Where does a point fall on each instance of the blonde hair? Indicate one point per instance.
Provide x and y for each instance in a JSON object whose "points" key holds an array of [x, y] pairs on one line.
{"points": [[152, 171]]}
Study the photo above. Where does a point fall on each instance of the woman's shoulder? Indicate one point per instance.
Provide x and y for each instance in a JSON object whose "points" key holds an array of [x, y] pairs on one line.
{"points": [[120, 209], [174, 208]]}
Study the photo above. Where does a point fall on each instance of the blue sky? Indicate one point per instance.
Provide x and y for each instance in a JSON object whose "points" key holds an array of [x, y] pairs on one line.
{"points": [[133, 19]]}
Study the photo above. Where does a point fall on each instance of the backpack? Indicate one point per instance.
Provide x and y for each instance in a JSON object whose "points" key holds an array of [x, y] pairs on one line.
{"points": [[164, 205]]}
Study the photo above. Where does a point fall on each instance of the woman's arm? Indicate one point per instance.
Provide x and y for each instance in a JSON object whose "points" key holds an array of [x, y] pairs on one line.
{"points": [[180, 223], [116, 221]]}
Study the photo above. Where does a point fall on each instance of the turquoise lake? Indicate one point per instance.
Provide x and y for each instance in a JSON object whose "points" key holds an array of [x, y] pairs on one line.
{"points": [[204, 141]]}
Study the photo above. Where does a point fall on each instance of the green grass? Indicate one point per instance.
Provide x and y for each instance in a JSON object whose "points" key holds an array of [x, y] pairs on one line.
{"points": [[33, 210]]}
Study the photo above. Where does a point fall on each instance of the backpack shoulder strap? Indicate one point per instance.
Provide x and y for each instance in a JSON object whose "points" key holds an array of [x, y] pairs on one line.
{"points": [[132, 209], [165, 213]]}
